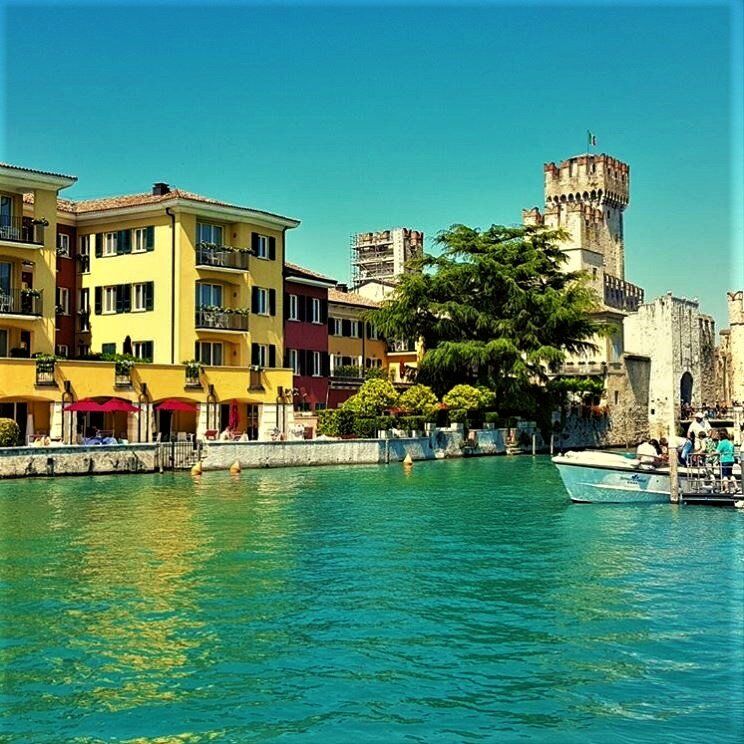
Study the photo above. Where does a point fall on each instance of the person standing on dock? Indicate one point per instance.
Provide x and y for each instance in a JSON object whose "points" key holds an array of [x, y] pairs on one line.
{"points": [[699, 424], [725, 450]]}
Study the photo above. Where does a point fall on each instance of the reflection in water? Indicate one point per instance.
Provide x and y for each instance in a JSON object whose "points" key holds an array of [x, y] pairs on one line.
{"points": [[458, 601]]}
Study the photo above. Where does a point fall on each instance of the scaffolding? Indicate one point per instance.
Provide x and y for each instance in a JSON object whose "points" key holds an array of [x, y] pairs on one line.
{"points": [[383, 255]]}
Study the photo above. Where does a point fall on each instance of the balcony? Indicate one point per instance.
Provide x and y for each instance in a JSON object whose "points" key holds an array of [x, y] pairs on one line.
{"points": [[221, 257], [22, 231], [221, 319], [26, 303], [348, 372]]}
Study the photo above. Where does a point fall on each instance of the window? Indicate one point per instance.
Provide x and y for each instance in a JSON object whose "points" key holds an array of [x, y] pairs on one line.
{"points": [[142, 350], [83, 350], [260, 354], [337, 361], [293, 361], [262, 246], [6, 211], [110, 243], [209, 353], [108, 348], [293, 308], [63, 301], [143, 296], [109, 299], [336, 326], [208, 295], [63, 245], [84, 254], [316, 311], [208, 233], [354, 329], [260, 301], [372, 332], [142, 239], [3, 342], [62, 350], [317, 364]]}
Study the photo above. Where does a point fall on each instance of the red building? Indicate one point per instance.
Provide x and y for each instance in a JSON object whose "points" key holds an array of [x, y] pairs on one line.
{"points": [[66, 294], [306, 335]]}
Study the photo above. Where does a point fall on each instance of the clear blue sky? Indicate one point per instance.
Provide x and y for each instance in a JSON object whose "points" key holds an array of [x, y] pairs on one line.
{"points": [[358, 118]]}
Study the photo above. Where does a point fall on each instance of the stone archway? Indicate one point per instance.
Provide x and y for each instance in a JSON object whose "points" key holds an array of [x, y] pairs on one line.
{"points": [[685, 388]]}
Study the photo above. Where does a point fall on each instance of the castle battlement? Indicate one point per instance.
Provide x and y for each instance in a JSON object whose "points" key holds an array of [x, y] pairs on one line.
{"points": [[600, 179]]}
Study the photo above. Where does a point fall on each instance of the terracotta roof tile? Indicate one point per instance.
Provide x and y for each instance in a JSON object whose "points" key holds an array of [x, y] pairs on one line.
{"points": [[292, 267], [138, 200], [35, 170], [350, 298]]}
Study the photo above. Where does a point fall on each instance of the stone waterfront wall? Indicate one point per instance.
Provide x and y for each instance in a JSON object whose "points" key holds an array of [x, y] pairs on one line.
{"points": [[220, 455], [22, 462]]}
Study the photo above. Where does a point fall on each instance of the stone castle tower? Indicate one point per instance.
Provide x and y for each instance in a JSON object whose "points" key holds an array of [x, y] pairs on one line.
{"points": [[586, 195], [736, 346]]}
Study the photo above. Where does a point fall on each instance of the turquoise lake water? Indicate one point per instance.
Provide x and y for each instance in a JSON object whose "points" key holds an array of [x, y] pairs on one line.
{"points": [[465, 601]]}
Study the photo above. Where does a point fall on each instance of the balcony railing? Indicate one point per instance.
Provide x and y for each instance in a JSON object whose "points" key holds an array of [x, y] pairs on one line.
{"points": [[193, 376], [21, 230], [348, 372], [45, 373], [221, 320], [221, 257], [21, 302]]}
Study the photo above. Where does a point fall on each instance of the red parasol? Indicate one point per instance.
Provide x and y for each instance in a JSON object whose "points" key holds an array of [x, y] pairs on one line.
{"points": [[84, 406], [115, 405], [173, 404], [232, 422]]}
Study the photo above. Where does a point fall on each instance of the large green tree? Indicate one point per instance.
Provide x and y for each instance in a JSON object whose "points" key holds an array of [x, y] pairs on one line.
{"points": [[495, 308]]}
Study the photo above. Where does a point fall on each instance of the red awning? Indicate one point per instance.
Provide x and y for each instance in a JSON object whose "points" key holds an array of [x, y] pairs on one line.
{"points": [[173, 404], [115, 405], [84, 406]]}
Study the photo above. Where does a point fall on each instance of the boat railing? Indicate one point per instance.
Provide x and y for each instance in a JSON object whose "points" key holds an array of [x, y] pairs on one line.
{"points": [[705, 475]]}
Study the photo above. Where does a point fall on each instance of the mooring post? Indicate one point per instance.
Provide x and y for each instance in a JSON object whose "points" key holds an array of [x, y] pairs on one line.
{"points": [[534, 439], [673, 469], [552, 443]]}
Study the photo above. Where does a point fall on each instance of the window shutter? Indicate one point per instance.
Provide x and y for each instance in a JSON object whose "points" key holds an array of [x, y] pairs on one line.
{"points": [[272, 356], [124, 242], [323, 311], [272, 249], [98, 300], [286, 357], [331, 326], [272, 306], [147, 350], [286, 308], [325, 364], [124, 296], [254, 355], [254, 302], [346, 327], [301, 307], [368, 330], [99, 245], [150, 238], [149, 295], [254, 243]]}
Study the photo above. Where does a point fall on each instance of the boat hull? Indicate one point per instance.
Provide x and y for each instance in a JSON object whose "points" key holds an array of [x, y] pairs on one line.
{"points": [[596, 482]]}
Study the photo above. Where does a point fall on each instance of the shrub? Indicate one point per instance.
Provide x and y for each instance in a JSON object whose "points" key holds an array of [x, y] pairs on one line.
{"points": [[458, 415], [418, 400], [463, 396], [10, 434], [346, 421], [488, 397], [376, 373], [366, 428], [492, 417], [328, 422], [412, 423], [373, 398]]}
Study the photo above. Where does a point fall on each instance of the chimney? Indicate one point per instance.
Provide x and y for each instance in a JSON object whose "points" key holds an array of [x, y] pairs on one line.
{"points": [[160, 189], [342, 287]]}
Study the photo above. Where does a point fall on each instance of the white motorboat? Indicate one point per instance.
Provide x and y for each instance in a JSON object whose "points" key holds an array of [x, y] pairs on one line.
{"points": [[609, 478]]}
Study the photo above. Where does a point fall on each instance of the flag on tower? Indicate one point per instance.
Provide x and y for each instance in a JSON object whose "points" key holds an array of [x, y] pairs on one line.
{"points": [[591, 138]]}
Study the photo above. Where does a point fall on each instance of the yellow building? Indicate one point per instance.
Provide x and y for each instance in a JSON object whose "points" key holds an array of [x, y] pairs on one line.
{"points": [[28, 260], [190, 285], [353, 343]]}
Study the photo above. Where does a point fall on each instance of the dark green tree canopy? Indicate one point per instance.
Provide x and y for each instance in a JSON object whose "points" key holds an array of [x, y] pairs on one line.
{"points": [[495, 308]]}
